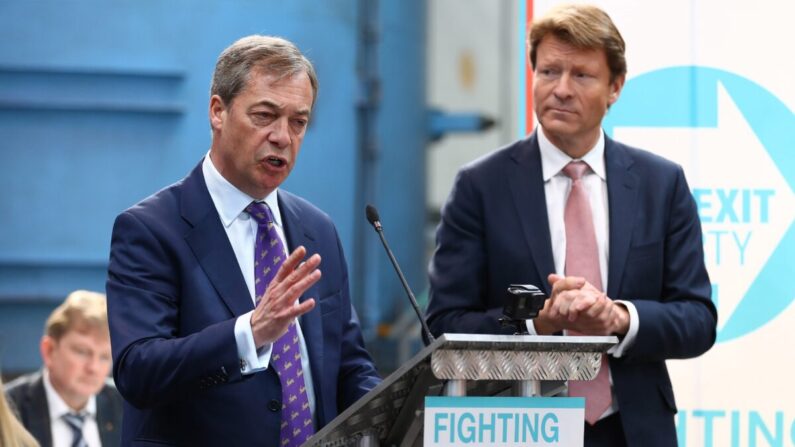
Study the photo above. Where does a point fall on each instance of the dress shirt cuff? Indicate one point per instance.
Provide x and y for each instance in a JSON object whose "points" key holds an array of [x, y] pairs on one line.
{"points": [[252, 360], [531, 327], [629, 339]]}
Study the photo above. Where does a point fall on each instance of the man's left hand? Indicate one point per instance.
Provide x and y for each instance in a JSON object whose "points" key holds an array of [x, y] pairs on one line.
{"points": [[577, 305]]}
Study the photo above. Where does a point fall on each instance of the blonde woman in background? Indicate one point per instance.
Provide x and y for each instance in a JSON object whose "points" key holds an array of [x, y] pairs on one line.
{"points": [[12, 433]]}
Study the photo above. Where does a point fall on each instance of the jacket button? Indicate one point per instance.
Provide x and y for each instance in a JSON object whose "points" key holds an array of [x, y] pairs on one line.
{"points": [[274, 405]]}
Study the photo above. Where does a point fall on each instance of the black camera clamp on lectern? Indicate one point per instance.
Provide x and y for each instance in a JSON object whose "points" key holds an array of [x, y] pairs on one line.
{"points": [[523, 302]]}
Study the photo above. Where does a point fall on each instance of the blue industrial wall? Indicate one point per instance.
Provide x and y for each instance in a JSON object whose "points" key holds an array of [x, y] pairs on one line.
{"points": [[103, 103]]}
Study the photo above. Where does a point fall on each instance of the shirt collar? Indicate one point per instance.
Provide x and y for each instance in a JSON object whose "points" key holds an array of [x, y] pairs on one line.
{"points": [[231, 202], [553, 160], [56, 404]]}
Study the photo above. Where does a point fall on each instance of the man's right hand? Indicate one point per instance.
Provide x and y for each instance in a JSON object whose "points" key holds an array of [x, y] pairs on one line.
{"points": [[277, 308], [576, 304], [550, 319]]}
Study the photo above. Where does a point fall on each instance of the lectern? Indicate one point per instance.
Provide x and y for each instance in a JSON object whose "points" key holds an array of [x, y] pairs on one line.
{"points": [[392, 414]]}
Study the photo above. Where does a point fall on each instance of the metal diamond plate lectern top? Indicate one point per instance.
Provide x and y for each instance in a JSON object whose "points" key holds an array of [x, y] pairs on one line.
{"points": [[458, 365]]}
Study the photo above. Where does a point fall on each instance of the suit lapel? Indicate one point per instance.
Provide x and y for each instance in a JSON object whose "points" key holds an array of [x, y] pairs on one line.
{"points": [[106, 420], [622, 192], [298, 234], [38, 422], [211, 246], [527, 191]]}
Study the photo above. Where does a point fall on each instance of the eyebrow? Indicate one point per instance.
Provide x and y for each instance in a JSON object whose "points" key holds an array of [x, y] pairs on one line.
{"points": [[273, 105]]}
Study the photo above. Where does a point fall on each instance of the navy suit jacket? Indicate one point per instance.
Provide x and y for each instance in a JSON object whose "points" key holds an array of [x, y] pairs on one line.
{"points": [[29, 400], [174, 291], [495, 232]]}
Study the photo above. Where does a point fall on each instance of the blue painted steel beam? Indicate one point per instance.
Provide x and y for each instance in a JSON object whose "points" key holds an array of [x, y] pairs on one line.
{"points": [[402, 137], [441, 123]]}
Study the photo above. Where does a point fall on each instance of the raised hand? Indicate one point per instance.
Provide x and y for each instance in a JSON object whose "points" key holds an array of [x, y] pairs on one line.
{"points": [[277, 307]]}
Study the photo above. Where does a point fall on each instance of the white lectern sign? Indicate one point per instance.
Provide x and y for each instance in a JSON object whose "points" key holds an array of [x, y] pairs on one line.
{"points": [[504, 421]]}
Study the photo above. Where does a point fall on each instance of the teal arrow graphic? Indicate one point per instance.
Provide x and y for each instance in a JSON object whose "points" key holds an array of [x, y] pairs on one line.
{"points": [[687, 96]]}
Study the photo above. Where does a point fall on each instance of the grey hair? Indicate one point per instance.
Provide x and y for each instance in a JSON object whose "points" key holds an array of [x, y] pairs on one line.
{"points": [[273, 55]]}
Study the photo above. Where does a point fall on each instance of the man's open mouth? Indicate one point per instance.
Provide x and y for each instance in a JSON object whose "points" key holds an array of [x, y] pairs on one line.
{"points": [[275, 161]]}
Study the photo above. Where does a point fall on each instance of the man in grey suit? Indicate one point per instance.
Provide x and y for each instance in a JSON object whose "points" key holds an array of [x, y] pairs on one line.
{"points": [[71, 401]]}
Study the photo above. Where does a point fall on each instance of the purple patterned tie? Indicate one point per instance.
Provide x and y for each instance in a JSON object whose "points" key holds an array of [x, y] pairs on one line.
{"points": [[582, 259], [269, 255]]}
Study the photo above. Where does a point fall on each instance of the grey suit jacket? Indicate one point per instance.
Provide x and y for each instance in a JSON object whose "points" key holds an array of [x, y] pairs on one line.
{"points": [[29, 400]]}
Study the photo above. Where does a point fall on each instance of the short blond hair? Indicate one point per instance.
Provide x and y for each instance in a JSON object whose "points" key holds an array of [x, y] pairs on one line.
{"points": [[585, 27], [81, 311]]}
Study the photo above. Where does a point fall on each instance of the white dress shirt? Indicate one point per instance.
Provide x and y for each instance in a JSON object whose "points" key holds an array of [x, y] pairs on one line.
{"points": [[62, 434], [556, 190], [557, 186], [241, 230]]}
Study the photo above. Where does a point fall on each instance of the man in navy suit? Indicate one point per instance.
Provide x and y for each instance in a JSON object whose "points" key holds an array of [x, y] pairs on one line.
{"points": [[505, 223], [191, 349]]}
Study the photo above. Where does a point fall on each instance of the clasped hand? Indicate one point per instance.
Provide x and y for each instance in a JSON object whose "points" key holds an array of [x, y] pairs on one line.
{"points": [[277, 307], [575, 304]]}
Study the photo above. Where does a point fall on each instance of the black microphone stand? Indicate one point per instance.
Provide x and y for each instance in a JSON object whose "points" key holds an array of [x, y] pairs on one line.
{"points": [[372, 217]]}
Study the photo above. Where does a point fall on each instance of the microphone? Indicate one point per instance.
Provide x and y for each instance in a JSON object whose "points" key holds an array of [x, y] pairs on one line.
{"points": [[372, 217]]}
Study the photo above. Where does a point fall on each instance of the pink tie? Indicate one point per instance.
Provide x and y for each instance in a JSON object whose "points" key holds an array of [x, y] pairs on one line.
{"points": [[582, 259]]}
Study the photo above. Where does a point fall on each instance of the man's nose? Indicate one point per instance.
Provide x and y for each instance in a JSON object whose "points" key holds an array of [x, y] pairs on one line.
{"points": [[563, 88], [280, 133], [94, 363]]}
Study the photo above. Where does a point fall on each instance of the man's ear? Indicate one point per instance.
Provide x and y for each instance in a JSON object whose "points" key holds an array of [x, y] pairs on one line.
{"points": [[46, 347], [217, 112], [615, 89]]}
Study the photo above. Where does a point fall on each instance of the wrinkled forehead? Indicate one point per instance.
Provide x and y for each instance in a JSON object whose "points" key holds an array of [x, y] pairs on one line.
{"points": [[263, 69]]}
